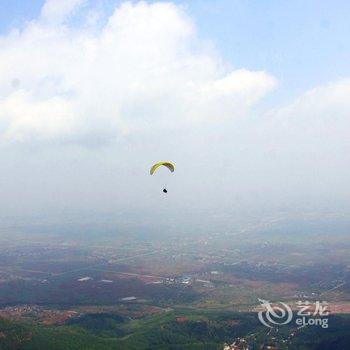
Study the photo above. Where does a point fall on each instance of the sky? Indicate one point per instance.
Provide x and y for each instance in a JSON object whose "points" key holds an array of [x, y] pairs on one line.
{"points": [[250, 99]]}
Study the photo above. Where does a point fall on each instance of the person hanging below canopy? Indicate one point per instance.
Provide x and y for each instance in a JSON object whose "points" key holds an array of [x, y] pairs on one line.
{"points": [[158, 165]]}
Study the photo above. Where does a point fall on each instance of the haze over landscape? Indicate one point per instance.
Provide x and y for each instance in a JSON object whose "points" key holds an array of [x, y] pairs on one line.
{"points": [[250, 100]]}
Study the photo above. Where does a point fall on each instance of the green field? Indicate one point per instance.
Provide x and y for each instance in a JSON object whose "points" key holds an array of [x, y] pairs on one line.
{"points": [[179, 329]]}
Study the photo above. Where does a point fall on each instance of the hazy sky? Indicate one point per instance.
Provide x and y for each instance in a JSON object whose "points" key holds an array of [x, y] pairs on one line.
{"points": [[250, 99]]}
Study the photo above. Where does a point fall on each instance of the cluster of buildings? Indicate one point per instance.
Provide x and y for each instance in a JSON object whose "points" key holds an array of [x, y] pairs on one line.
{"points": [[238, 344], [37, 313]]}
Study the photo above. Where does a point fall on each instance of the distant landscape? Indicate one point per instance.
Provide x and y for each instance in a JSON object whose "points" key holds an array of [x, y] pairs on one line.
{"points": [[174, 175], [139, 291]]}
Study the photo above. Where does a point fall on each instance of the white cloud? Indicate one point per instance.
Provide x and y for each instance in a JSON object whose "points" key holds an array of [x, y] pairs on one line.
{"points": [[319, 120], [56, 11], [144, 69], [23, 117], [145, 80]]}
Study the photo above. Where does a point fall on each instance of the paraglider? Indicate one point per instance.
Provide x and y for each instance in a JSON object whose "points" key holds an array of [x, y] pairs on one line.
{"points": [[168, 165]]}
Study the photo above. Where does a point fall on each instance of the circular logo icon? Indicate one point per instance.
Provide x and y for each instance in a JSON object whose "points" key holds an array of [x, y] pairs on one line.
{"points": [[276, 315]]}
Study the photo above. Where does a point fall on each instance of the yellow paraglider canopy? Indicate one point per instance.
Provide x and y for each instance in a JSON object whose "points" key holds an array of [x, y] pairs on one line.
{"points": [[169, 165]]}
